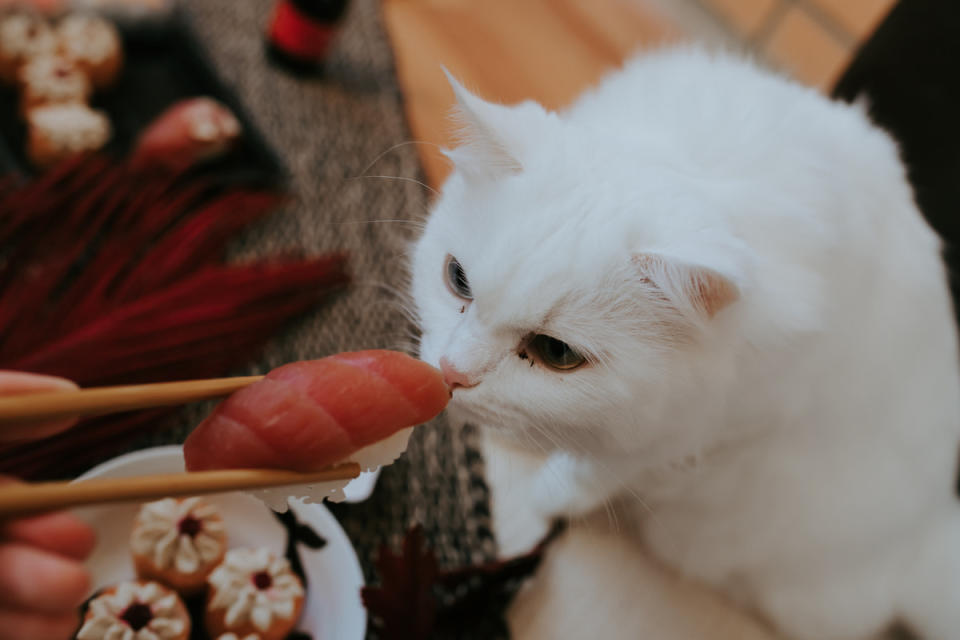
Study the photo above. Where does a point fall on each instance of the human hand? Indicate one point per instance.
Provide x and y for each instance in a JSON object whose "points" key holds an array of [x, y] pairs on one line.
{"points": [[39, 5], [42, 578], [15, 383]]}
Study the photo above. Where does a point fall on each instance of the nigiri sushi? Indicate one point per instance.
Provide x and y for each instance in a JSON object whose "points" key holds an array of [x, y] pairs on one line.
{"points": [[306, 415], [190, 131]]}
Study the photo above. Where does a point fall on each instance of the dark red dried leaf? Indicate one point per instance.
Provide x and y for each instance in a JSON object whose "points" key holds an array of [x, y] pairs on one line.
{"points": [[475, 591], [404, 606], [110, 277], [203, 305], [415, 600]]}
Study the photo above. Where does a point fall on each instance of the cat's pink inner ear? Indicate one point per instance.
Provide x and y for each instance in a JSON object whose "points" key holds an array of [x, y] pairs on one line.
{"points": [[707, 291], [713, 291]]}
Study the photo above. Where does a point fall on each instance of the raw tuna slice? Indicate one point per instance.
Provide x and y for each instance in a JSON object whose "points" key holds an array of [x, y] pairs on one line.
{"points": [[306, 415]]}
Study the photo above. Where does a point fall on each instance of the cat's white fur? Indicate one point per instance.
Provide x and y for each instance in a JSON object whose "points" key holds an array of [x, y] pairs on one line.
{"points": [[773, 367]]}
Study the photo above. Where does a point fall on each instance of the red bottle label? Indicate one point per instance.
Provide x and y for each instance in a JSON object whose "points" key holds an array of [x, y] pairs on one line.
{"points": [[296, 34]]}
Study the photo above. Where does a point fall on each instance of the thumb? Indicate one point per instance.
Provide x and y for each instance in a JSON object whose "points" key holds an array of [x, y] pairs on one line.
{"points": [[18, 382]]}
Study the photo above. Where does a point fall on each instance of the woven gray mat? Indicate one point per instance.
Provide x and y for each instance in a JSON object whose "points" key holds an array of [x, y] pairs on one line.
{"points": [[331, 132]]}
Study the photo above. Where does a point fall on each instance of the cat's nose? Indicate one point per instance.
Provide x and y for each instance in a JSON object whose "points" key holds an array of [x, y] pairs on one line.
{"points": [[453, 377]]}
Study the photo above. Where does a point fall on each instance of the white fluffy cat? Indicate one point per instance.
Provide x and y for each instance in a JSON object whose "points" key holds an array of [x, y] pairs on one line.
{"points": [[709, 289]]}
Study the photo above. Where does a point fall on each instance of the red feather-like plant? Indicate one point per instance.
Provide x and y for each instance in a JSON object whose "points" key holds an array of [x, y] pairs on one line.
{"points": [[112, 276]]}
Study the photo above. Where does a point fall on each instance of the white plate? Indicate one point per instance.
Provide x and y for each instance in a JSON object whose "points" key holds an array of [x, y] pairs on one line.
{"points": [[333, 608]]}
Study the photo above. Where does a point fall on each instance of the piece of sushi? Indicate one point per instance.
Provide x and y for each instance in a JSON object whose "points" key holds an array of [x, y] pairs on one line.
{"points": [[253, 592], [189, 132], [178, 542], [135, 609], [307, 415], [94, 45]]}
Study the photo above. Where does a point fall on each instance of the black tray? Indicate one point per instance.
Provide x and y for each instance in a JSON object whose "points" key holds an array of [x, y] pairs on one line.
{"points": [[164, 62]]}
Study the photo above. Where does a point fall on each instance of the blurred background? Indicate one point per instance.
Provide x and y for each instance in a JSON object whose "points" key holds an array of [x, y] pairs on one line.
{"points": [[550, 50]]}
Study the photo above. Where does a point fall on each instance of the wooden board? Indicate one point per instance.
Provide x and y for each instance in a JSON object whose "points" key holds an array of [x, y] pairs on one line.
{"points": [[508, 51]]}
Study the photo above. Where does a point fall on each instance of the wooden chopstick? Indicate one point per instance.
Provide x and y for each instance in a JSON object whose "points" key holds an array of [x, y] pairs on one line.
{"points": [[54, 405], [25, 499]]}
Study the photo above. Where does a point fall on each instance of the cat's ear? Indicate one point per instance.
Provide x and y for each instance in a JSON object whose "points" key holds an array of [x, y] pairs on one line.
{"points": [[690, 289], [490, 135]]}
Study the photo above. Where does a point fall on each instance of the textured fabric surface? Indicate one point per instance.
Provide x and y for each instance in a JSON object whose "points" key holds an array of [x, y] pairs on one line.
{"points": [[332, 132]]}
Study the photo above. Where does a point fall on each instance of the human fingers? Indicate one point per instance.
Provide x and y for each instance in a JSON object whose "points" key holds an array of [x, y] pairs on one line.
{"points": [[30, 625], [61, 533], [36, 580], [19, 382]]}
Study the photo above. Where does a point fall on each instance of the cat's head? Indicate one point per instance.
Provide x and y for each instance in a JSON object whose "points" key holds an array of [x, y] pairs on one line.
{"points": [[557, 296]]}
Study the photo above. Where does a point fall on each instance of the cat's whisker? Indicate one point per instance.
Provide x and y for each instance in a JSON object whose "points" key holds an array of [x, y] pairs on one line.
{"points": [[545, 432], [624, 484], [410, 314], [417, 224], [398, 298], [409, 331], [653, 519], [395, 147], [407, 338], [396, 293], [402, 179], [633, 493], [412, 334], [530, 440], [611, 511], [405, 345]]}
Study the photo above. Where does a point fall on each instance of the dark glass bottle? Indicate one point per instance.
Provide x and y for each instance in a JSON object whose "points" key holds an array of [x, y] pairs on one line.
{"points": [[300, 33]]}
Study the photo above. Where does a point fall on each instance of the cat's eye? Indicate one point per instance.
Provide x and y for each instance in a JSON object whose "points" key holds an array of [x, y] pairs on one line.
{"points": [[457, 279], [554, 353]]}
